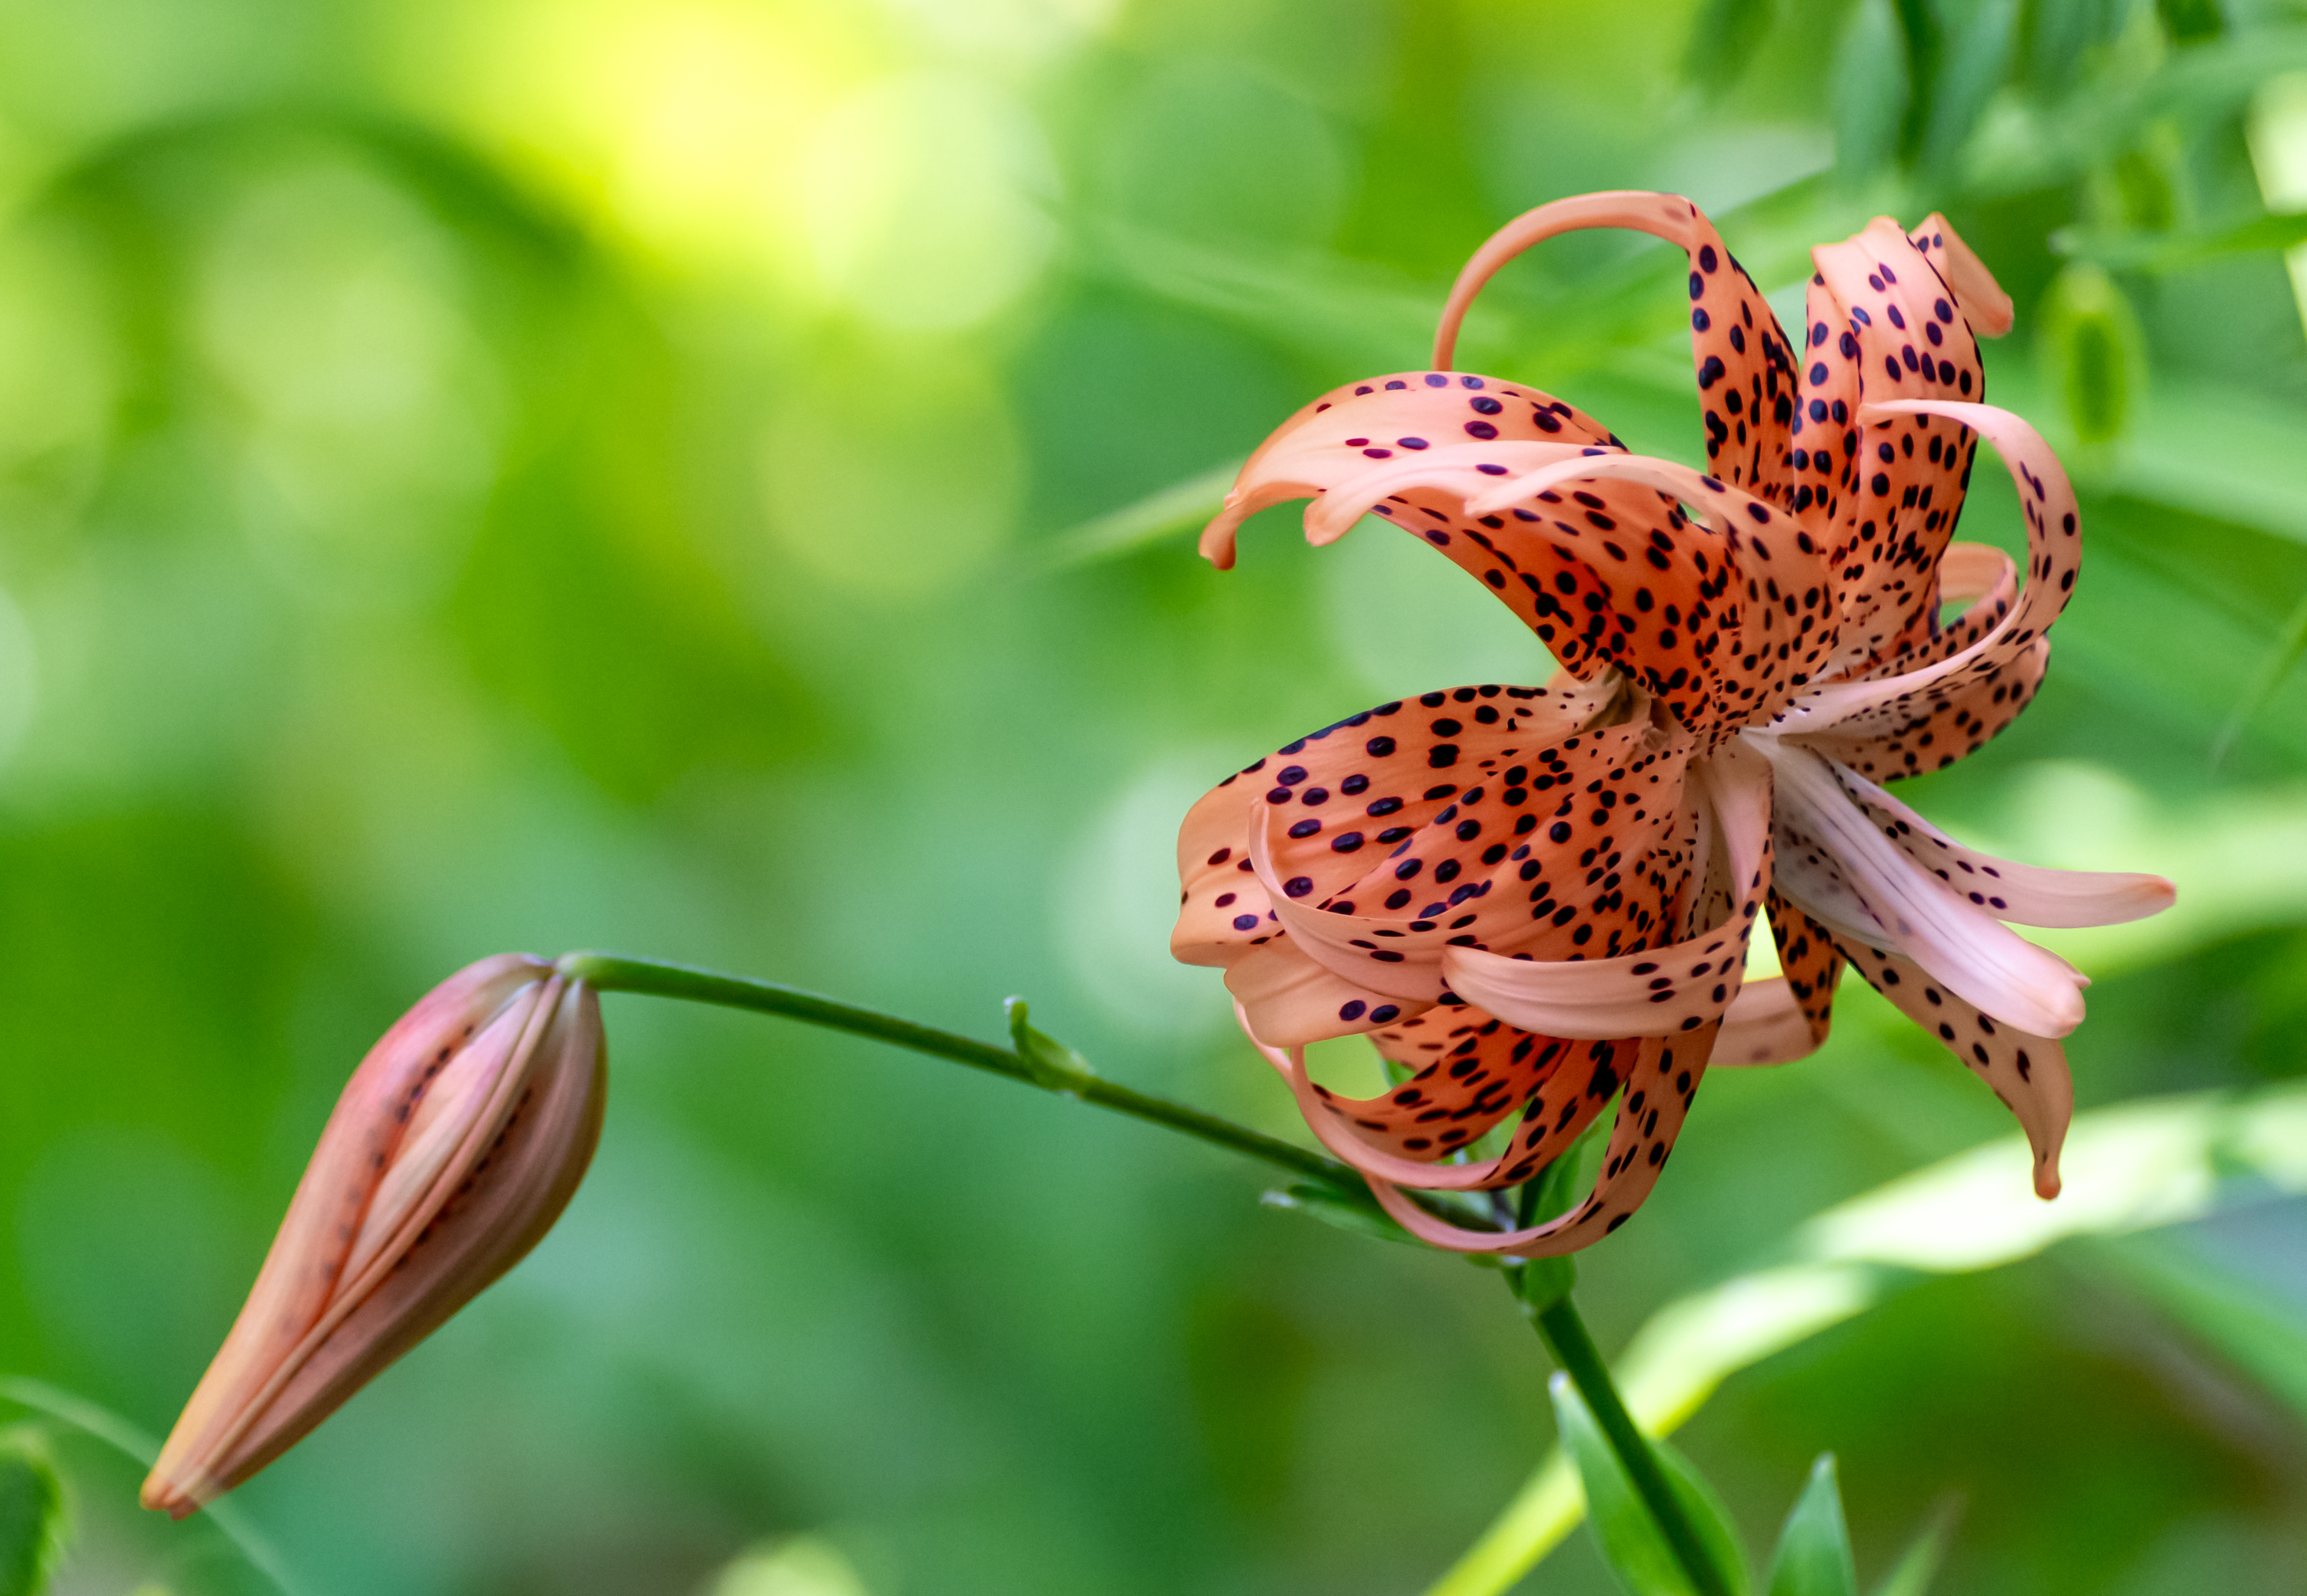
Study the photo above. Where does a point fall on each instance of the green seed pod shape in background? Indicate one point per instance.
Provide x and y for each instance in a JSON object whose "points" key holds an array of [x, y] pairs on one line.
{"points": [[2093, 354]]}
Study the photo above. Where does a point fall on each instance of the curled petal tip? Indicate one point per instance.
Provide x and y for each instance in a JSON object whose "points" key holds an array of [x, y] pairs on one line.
{"points": [[2047, 1184]]}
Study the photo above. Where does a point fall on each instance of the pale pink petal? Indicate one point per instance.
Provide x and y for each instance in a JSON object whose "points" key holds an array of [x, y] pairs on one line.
{"points": [[1838, 867], [1765, 1025], [2026, 894], [1287, 1000]]}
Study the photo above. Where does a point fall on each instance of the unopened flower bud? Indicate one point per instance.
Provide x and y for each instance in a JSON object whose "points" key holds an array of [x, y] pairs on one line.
{"points": [[454, 1148]]}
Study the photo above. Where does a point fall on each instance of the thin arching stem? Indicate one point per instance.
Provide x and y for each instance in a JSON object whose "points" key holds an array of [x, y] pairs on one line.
{"points": [[1035, 1060], [615, 972]]}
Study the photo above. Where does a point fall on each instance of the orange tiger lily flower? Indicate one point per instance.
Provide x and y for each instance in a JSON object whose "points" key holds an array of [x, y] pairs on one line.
{"points": [[1569, 882], [454, 1148]]}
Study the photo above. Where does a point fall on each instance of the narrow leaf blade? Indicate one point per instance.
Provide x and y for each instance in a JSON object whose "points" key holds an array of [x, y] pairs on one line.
{"points": [[1814, 1556], [1630, 1540]]}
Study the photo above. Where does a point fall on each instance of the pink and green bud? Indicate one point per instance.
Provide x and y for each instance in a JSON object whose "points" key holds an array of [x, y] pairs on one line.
{"points": [[454, 1148]]}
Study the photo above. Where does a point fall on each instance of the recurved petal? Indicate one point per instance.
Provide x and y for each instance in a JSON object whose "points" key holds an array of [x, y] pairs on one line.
{"points": [[1730, 620], [1746, 371], [1287, 1000], [1471, 1072], [1883, 497], [1575, 846], [1977, 295], [2047, 502], [1343, 797], [1812, 963], [2026, 894], [1385, 418], [1656, 1102], [1838, 867], [2028, 1071], [1573, 1087], [1766, 1024]]}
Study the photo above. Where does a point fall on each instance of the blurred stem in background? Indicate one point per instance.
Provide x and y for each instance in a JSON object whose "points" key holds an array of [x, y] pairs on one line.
{"points": [[1542, 1286]]}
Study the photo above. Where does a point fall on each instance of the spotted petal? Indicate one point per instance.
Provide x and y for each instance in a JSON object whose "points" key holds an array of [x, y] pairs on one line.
{"points": [[1582, 837], [1750, 629], [2053, 551], [1883, 325], [2026, 894], [1574, 1085], [1384, 418], [1655, 1103], [1666, 990], [1745, 374], [2028, 1071]]}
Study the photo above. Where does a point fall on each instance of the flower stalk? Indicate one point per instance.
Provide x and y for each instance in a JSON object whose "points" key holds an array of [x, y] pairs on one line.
{"points": [[1034, 1060], [1543, 1285], [1572, 1350]]}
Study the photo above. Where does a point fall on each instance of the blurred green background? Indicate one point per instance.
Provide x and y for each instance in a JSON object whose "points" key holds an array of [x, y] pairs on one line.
{"points": [[523, 474]]}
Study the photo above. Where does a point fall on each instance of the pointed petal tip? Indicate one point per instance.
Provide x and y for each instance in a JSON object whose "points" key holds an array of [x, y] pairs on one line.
{"points": [[2047, 1185]]}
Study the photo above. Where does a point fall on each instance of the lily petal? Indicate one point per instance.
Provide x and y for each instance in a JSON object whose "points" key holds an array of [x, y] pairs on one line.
{"points": [[2028, 1071], [1657, 1101], [1745, 373], [1775, 602], [1666, 990], [1287, 999], [1882, 496], [1837, 866], [2027, 895], [2054, 550], [1582, 1080], [1812, 963], [1977, 295], [1382, 418], [1765, 1025], [1602, 873]]}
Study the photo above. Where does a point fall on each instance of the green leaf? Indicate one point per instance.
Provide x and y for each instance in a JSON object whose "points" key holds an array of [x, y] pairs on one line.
{"points": [[1716, 1530], [2290, 644], [2260, 1332], [1974, 70], [2154, 1161], [31, 1515], [1724, 41], [1632, 1542], [1871, 91], [1814, 1556], [1332, 1208], [1918, 1565]]}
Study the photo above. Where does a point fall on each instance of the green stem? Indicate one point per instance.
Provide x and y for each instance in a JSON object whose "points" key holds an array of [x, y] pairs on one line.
{"points": [[1566, 1338], [615, 972]]}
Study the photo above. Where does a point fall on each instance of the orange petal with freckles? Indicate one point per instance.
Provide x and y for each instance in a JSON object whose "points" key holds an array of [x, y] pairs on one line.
{"points": [[1654, 1103], [2028, 1071], [1663, 991], [1745, 375], [1384, 418]]}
